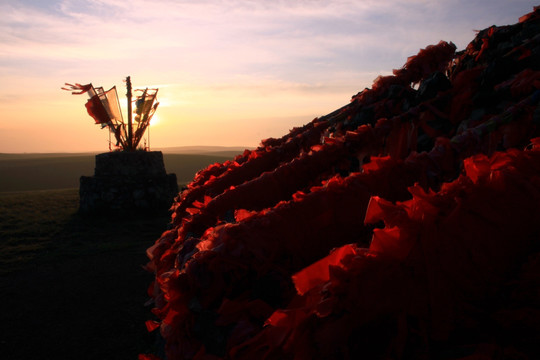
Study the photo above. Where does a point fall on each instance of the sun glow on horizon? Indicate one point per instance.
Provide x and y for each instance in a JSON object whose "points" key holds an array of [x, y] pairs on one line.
{"points": [[229, 73], [155, 120]]}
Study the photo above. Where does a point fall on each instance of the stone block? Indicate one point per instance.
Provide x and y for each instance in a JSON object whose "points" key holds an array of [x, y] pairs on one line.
{"points": [[128, 183]]}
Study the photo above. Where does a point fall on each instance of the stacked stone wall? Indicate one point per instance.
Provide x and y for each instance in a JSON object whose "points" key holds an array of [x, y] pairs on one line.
{"points": [[129, 183]]}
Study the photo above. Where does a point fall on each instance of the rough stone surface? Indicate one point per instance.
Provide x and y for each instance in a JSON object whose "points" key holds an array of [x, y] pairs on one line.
{"points": [[129, 183]]}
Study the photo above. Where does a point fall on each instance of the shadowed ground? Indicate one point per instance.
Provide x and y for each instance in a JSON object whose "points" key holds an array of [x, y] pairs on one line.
{"points": [[72, 287]]}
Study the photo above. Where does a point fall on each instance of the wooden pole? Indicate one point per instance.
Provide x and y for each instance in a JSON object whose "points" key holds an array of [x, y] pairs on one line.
{"points": [[130, 125]]}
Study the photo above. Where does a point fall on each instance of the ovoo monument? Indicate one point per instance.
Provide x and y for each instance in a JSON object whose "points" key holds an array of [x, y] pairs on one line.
{"points": [[130, 178]]}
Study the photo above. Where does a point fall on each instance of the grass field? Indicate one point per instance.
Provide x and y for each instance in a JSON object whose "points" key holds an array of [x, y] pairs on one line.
{"points": [[73, 286], [23, 172]]}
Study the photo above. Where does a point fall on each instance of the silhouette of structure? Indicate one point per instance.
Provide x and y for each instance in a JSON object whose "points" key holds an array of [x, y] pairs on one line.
{"points": [[104, 107], [131, 179]]}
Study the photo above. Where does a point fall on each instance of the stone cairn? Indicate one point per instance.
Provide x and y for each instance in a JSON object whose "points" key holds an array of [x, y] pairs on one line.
{"points": [[128, 182]]}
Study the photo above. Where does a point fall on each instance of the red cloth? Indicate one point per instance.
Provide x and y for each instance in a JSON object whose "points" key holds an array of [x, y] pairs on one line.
{"points": [[96, 110], [342, 240]]}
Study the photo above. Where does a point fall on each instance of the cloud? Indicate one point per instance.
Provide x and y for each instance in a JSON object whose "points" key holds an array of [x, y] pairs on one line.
{"points": [[228, 35], [284, 58], [303, 41]]}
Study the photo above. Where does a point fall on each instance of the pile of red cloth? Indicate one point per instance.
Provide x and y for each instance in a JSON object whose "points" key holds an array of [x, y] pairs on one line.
{"points": [[404, 225]]}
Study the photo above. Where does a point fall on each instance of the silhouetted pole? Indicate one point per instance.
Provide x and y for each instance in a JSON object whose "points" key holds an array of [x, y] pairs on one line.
{"points": [[130, 127]]}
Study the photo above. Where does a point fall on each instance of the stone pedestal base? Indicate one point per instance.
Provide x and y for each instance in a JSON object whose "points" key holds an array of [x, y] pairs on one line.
{"points": [[128, 183]]}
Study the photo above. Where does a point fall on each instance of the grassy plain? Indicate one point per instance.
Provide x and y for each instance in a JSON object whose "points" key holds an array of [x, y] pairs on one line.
{"points": [[24, 172], [73, 286]]}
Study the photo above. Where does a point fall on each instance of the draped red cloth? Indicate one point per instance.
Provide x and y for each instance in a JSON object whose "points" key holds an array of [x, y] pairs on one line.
{"points": [[403, 225]]}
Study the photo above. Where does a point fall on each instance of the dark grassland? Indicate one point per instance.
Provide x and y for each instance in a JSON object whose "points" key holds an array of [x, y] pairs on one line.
{"points": [[73, 286], [23, 172]]}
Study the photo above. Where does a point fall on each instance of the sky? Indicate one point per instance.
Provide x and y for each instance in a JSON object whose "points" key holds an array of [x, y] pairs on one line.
{"points": [[229, 72]]}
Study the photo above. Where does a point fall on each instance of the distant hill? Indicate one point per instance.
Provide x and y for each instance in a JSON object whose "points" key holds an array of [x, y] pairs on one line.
{"points": [[204, 150], [46, 171], [197, 149], [23, 172], [27, 156]]}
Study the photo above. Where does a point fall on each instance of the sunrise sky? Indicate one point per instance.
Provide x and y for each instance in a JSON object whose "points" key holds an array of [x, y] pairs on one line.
{"points": [[230, 72]]}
